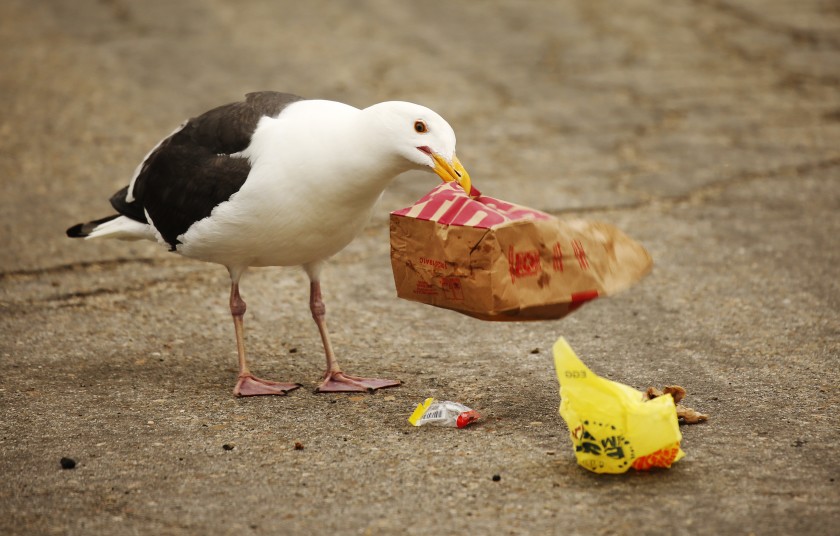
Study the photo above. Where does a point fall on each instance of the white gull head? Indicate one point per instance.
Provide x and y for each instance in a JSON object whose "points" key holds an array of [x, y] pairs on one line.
{"points": [[418, 135]]}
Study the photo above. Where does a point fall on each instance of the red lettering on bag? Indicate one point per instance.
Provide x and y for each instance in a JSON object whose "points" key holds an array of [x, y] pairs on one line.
{"points": [[524, 264], [452, 288], [425, 289], [434, 263], [558, 258], [580, 253]]}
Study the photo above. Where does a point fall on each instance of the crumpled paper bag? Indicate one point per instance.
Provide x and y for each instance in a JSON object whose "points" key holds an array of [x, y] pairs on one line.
{"points": [[611, 426], [495, 260]]}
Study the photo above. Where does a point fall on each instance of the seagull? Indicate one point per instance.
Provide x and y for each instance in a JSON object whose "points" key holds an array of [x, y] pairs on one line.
{"points": [[277, 180]]}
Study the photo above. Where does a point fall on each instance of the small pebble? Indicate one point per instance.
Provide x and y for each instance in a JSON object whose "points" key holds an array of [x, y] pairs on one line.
{"points": [[292, 350], [535, 351], [496, 478], [68, 463], [228, 446], [298, 445]]}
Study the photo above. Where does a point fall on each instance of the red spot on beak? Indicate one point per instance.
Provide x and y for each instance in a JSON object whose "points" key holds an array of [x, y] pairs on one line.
{"points": [[425, 149]]}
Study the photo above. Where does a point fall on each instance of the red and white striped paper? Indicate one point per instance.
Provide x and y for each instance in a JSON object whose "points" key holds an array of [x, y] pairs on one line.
{"points": [[448, 204]]}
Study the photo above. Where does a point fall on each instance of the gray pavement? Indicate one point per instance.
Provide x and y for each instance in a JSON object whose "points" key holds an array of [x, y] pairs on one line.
{"points": [[707, 129]]}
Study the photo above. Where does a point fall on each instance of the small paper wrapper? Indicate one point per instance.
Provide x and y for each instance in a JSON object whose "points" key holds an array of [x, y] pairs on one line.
{"points": [[446, 413]]}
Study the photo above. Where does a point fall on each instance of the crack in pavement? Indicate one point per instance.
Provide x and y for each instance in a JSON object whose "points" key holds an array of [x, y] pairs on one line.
{"points": [[77, 298], [79, 265], [82, 294], [705, 191]]}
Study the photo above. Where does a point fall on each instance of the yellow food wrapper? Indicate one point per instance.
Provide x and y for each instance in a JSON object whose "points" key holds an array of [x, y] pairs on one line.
{"points": [[611, 425]]}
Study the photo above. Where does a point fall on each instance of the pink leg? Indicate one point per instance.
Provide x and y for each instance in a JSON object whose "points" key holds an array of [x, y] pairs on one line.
{"points": [[248, 384], [335, 381]]}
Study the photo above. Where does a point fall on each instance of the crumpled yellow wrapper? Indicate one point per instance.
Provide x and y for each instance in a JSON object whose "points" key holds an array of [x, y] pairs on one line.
{"points": [[611, 425]]}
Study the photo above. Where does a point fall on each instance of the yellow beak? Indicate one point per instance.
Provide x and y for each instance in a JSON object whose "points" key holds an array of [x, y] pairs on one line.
{"points": [[453, 171]]}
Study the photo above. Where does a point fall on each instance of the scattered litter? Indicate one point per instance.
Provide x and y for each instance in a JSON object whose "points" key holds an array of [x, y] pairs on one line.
{"points": [[684, 413], [612, 427], [228, 446], [298, 445], [68, 463], [496, 478], [444, 413]]}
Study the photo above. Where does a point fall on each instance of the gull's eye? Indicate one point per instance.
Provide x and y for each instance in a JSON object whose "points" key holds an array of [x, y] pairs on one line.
{"points": [[420, 126]]}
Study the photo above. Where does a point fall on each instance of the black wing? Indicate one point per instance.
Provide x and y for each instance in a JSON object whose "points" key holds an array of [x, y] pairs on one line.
{"points": [[191, 172], [132, 210]]}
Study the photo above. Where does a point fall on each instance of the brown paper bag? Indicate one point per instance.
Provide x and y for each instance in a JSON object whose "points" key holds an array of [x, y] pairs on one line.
{"points": [[497, 261]]}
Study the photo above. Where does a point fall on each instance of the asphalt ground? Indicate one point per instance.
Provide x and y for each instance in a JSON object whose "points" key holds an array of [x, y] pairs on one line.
{"points": [[709, 130]]}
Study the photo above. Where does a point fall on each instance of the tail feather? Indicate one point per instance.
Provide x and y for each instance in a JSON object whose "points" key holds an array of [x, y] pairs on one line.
{"points": [[116, 226], [83, 230]]}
